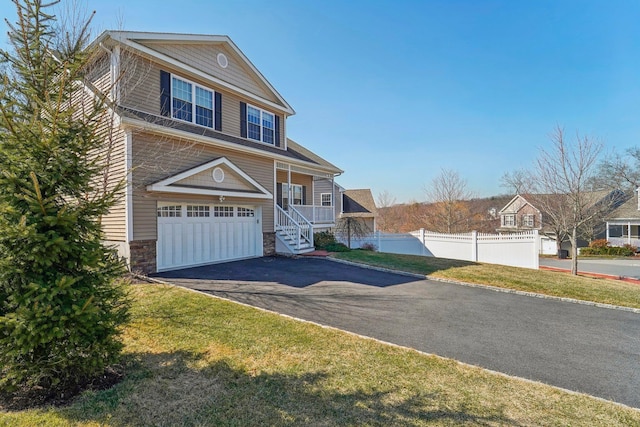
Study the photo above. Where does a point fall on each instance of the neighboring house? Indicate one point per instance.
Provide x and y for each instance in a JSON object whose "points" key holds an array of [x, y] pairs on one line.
{"points": [[360, 204], [200, 137], [623, 224], [519, 215]]}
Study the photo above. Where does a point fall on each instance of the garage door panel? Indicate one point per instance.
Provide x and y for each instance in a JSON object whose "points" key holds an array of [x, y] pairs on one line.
{"points": [[184, 241]]}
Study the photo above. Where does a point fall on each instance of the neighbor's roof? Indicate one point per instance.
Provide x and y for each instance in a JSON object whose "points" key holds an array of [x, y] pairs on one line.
{"points": [[358, 203], [628, 210], [517, 203]]}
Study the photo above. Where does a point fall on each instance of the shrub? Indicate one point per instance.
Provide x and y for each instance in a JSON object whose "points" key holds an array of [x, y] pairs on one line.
{"points": [[600, 243], [601, 247], [324, 238], [368, 247], [337, 247], [62, 304]]}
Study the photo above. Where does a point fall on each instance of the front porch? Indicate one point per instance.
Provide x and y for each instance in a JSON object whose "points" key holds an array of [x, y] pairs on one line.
{"points": [[305, 203], [620, 233]]}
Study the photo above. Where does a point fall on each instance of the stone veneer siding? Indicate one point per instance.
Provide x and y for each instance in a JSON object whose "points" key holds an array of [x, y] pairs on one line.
{"points": [[143, 256], [268, 244]]}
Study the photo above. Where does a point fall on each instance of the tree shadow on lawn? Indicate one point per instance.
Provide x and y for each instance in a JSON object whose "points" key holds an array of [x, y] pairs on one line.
{"points": [[167, 389]]}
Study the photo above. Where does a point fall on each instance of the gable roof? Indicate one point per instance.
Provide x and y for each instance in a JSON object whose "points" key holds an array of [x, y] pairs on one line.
{"points": [[514, 206], [628, 210], [358, 203], [245, 186], [301, 152], [136, 40]]}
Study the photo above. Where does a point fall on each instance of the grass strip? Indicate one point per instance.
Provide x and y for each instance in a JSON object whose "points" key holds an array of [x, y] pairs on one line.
{"points": [[543, 282], [193, 360]]}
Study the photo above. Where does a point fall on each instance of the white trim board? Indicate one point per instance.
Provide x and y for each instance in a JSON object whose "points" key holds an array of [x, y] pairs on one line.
{"points": [[166, 186]]}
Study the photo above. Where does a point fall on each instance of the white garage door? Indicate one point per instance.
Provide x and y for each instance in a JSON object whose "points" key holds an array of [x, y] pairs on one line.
{"points": [[190, 234]]}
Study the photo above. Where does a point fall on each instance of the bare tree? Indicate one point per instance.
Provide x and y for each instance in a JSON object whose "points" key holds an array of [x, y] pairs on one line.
{"points": [[516, 182], [620, 171], [562, 177], [385, 215], [350, 226], [447, 194]]}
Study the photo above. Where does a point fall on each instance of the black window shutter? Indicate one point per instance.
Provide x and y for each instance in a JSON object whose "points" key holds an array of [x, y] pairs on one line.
{"points": [[279, 193], [165, 93], [304, 195], [243, 119], [277, 124], [218, 111]]}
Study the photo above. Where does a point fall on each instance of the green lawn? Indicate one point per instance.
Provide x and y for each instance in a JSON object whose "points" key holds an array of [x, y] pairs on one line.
{"points": [[538, 281], [195, 360]]}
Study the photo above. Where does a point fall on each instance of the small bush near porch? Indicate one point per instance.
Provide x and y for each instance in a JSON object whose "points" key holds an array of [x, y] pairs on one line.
{"points": [[602, 247], [327, 241]]}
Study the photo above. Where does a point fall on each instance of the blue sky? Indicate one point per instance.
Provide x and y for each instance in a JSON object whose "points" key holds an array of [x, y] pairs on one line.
{"points": [[394, 91]]}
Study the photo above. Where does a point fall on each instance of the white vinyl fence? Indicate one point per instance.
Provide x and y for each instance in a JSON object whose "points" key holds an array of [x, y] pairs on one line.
{"points": [[514, 249]]}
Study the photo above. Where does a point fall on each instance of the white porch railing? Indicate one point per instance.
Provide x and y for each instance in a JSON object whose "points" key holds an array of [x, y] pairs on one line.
{"points": [[294, 225], [621, 241], [317, 214]]}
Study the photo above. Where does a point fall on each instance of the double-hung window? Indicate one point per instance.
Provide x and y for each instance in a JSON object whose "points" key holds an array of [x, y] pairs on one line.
{"points": [[325, 199], [260, 125], [191, 103], [509, 221], [527, 220]]}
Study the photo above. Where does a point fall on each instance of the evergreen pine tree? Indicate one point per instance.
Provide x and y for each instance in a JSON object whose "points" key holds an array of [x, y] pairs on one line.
{"points": [[62, 302]]}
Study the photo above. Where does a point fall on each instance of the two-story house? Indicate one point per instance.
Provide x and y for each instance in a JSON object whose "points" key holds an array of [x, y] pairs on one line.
{"points": [[200, 136], [519, 215]]}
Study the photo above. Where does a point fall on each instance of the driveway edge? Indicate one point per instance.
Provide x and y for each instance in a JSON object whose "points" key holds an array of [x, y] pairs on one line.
{"points": [[489, 287]]}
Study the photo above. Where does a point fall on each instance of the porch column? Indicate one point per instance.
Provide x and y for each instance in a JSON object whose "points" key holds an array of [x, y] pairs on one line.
{"points": [[333, 195], [629, 232], [607, 236], [289, 194]]}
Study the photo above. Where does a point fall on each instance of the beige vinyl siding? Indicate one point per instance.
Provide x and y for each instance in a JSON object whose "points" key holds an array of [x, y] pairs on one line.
{"points": [[232, 181], [156, 158], [204, 58], [143, 94], [111, 153], [323, 186], [140, 84], [114, 223], [300, 179], [99, 73]]}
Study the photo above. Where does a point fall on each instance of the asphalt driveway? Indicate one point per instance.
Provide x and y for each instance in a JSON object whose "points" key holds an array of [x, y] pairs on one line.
{"points": [[578, 347]]}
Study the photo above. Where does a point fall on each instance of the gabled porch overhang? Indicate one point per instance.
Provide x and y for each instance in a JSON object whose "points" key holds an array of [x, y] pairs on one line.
{"points": [[184, 182], [318, 215]]}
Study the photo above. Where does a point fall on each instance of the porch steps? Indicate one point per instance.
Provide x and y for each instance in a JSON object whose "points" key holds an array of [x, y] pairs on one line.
{"points": [[290, 243]]}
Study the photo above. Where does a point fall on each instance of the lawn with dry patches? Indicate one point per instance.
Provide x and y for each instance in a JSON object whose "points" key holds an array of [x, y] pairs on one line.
{"points": [[196, 360]]}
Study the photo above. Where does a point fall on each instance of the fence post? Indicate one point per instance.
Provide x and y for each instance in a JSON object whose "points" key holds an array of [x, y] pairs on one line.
{"points": [[422, 240], [474, 246], [536, 250], [379, 242]]}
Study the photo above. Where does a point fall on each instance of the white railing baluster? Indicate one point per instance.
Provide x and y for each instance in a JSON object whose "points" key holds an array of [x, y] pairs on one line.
{"points": [[295, 226]]}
